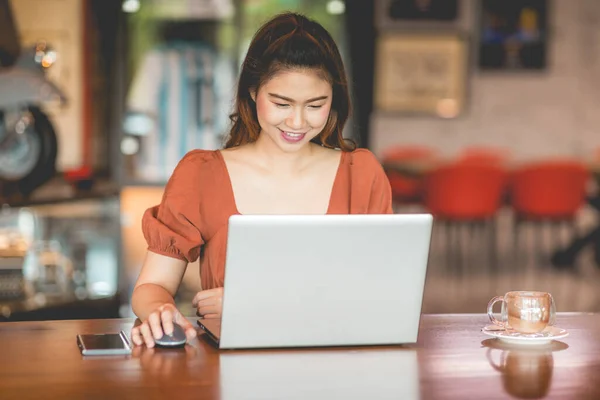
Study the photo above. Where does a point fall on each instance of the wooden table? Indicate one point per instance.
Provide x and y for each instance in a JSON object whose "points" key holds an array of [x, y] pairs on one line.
{"points": [[452, 360]]}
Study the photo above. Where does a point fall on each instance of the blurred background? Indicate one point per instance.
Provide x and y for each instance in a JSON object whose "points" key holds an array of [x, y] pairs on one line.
{"points": [[482, 112]]}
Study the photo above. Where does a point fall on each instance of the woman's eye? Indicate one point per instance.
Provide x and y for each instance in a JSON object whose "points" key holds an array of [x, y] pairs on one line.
{"points": [[281, 105], [315, 107]]}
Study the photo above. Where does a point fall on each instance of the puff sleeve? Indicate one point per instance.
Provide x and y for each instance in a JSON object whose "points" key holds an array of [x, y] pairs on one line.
{"points": [[173, 228]]}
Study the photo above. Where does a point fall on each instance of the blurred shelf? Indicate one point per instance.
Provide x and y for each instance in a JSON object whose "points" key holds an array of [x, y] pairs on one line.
{"points": [[66, 307], [60, 191], [143, 183]]}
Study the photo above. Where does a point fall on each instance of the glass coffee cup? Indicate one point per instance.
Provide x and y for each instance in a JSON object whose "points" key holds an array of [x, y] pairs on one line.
{"points": [[526, 312]]}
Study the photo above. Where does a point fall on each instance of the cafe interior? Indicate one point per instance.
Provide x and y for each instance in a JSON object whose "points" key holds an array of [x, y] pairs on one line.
{"points": [[482, 113]]}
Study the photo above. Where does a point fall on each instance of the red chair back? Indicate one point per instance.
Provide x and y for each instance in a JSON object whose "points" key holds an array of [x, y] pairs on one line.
{"points": [[403, 187], [464, 191], [551, 189], [484, 155]]}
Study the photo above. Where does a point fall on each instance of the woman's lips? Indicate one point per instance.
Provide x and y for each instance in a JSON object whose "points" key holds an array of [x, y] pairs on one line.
{"points": [[292, 137]]}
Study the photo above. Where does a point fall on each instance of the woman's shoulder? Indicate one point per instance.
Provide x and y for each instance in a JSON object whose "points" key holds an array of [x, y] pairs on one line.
{"points": [[364, 159], [196, 167], [198, 157], [197, 163]]}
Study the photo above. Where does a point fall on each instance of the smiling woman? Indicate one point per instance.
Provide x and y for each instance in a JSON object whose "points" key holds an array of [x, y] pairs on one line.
{"points": [[287, 109], [292, 44], [285, 155]]}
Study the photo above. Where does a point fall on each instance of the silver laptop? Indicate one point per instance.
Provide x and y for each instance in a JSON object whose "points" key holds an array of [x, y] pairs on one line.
{"points": [[322, 280]]}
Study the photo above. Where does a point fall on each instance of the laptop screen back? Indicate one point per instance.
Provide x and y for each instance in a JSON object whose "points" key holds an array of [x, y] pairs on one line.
{"points": [[333, 280]]}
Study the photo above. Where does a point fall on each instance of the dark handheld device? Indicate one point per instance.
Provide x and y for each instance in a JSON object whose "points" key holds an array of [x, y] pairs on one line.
{"points": [[104, 344]]}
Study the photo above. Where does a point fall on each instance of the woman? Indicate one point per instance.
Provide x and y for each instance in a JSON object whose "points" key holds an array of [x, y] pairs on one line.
{"points": [[285, 155]]}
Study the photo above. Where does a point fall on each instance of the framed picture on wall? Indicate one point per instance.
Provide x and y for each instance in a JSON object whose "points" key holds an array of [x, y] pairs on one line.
{"points": [[407, 13], [513, 34], [421, 74]]}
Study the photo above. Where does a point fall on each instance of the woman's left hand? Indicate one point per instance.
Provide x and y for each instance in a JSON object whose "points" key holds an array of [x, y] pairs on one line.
{"points": [[209, 303]]}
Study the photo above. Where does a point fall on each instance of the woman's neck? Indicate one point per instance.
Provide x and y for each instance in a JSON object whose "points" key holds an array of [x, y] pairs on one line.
{"points": [[271, 157]]}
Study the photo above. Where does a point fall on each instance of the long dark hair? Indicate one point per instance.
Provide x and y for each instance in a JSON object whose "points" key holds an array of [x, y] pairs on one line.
{"points": [[289, 41]]}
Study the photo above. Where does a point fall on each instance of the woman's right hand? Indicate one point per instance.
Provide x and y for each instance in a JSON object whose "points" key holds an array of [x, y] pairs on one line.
{"points": [[161, 319]]}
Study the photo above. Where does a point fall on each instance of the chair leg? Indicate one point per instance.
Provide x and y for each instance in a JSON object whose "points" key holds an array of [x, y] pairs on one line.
{"points": [[471, 248], [448, 251], [493, 243], [461, 256], [452, 250], [455, 242], [441, 239], [555, 237], [480, 240], [517, 226], [539, 231]]}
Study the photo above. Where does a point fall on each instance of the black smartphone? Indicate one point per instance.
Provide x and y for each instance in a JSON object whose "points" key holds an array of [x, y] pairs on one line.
{"points": [[104, 344]]}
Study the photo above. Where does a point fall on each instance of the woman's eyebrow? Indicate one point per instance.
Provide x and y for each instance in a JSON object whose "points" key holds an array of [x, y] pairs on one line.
{"points": [[293, 101]]}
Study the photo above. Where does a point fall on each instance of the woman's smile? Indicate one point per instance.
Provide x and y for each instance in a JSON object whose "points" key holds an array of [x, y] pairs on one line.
{"points": [[292, 137]]}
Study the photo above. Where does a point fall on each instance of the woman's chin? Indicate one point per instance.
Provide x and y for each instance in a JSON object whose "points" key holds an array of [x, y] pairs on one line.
{"points": [[290, 146]]}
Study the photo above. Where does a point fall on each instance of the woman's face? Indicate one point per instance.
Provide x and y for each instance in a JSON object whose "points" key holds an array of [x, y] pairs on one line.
{"points": [[293, 108]]}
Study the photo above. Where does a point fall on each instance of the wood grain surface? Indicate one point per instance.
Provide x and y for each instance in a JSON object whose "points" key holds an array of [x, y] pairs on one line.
{"points": [[452, 360]]}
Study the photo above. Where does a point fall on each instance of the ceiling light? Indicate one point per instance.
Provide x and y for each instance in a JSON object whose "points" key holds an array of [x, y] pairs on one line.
{"points": [[336, 7]]}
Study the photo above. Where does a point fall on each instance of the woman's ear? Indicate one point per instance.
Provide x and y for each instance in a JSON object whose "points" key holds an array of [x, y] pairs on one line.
{"points": [[253, 94]]}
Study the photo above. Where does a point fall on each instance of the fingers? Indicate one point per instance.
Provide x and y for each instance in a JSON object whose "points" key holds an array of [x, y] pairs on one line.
{"points": [[208, 306], [136, 351], [158, 323], [166, 317], [191, 333], [136, 336], [212, 316], [190, 330], [203, 295], [206, 294], [147, 334], [155, 325], [208, 302], [210, 309]]}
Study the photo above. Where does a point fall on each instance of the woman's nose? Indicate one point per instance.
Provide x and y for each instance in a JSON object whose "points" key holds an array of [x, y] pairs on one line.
{"points": [[296, 119]]}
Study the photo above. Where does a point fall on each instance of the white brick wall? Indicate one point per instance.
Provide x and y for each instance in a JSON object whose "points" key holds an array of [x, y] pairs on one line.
{"points": [[534, 114]]}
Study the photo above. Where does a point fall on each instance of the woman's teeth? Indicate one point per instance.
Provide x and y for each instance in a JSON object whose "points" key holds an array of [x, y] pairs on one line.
{"points": [[292, 137]]}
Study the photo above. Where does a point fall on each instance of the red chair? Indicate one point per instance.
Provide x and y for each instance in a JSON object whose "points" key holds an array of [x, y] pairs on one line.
{"points": [[492, 155], [548, 191], [464, 194], [406, 188]]}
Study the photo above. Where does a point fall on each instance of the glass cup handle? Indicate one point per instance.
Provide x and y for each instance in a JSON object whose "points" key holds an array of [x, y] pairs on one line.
{"points": [[552, 318], [490, 311]]}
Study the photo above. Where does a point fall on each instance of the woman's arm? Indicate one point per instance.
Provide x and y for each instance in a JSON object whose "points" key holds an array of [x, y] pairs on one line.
{"points": [[157, 283], [152, 299], [172, 230]]}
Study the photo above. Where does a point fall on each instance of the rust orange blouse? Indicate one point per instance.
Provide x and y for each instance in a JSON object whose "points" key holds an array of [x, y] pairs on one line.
{"points": [[198, 201]]}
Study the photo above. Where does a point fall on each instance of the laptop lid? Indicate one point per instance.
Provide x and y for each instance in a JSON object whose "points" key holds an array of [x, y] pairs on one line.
{"points": [[324, 280]]}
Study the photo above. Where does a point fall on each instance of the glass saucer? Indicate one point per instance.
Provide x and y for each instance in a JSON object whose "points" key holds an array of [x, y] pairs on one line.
{"points": [[509, 336]]}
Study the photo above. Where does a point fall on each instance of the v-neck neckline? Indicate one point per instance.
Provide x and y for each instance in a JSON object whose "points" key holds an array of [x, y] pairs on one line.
{"points": [[232, 193]]}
